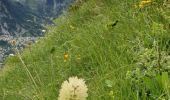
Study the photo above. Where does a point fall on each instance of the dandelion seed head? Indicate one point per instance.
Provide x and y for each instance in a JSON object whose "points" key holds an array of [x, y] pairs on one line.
{"points": [[73, 89]]}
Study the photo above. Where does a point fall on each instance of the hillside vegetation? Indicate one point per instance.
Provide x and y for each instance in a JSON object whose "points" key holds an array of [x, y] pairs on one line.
{"points": [[119, 47]]}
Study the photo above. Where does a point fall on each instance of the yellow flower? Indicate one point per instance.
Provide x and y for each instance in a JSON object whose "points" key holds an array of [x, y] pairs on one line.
{"points": [[65, 56], [144, 3], [73, 89]]}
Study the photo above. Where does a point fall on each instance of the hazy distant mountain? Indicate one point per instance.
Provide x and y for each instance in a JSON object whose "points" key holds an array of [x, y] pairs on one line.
{"points": [[27, 17], [45, 7], [24, 20]]}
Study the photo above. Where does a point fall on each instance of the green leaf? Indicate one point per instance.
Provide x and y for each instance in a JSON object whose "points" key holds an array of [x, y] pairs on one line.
{"points": [[109, 83]]}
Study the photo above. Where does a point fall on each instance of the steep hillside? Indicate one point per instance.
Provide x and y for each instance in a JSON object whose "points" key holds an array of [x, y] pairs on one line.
{"points": [[119, 47]]}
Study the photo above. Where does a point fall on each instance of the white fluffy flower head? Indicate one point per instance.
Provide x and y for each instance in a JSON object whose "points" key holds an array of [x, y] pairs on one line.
{"points": [[73, 89]]}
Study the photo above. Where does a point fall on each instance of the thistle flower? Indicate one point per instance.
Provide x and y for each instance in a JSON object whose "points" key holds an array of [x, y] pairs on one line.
{"points": [[73, 89]]}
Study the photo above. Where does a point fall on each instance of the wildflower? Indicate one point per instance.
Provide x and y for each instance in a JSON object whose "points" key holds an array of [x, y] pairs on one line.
{"points": [[65, 57], [144, 3], [73, 89]]}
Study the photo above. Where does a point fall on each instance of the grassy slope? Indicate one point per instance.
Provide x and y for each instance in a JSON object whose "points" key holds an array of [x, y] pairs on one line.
{"points": [[104, 52]]}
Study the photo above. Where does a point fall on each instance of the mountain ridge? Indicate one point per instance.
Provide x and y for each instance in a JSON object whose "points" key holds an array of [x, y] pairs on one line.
{"points": [[28, 17]]}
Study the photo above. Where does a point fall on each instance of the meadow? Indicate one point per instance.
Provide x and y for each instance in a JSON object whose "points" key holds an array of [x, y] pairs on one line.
{"points": [[121, 48]]}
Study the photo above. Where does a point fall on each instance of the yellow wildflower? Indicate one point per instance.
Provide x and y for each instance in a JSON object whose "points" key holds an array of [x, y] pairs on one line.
{"points": [[144, 3], [65, 56]]}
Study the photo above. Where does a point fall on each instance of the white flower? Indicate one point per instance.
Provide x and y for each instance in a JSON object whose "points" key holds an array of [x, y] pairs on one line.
{"points": [[73, 89]]}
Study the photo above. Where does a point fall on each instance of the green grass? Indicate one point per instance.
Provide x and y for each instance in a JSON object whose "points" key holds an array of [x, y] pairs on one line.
{"points": [[98, 52]]}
